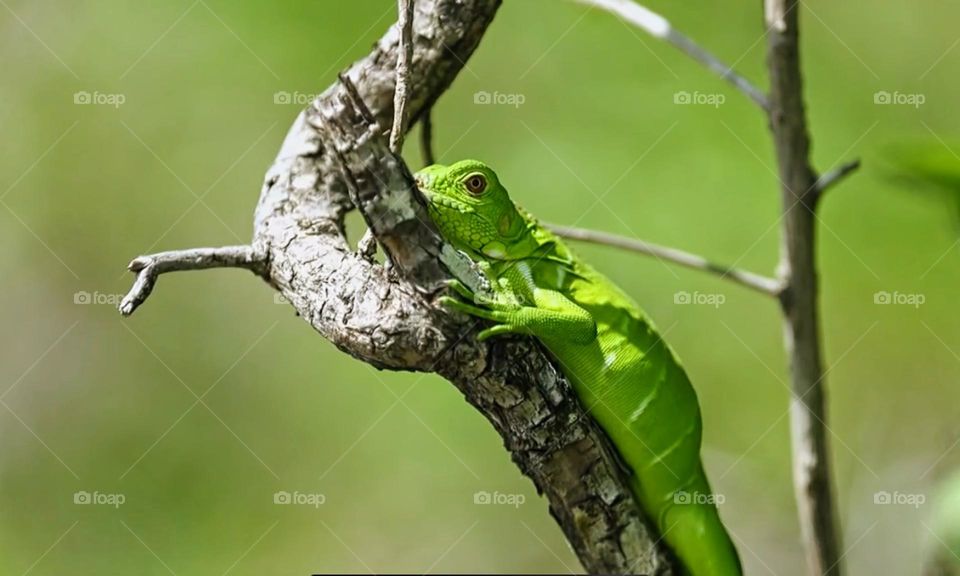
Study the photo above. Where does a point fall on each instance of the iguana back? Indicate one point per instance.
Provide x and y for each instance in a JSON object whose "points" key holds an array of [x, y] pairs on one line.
{"points": [[625, 375], [634, 386]]}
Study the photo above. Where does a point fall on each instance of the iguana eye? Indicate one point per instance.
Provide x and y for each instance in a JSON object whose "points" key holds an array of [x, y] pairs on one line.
{"points": [[476, 184]]}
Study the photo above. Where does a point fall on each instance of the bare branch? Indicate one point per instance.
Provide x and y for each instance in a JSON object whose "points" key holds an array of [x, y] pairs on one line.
{"points": [[426, 138], [811, 463], [404, 56], [836, 175], [762, 284], [659, 27], [148, 268]]}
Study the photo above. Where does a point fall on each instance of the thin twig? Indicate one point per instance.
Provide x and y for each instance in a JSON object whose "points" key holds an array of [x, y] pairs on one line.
{"points": [[148, 268], [836, 175], [426, 138], [357, 101], [762, 284], [813, 487], [404, 56], [659, 27]]}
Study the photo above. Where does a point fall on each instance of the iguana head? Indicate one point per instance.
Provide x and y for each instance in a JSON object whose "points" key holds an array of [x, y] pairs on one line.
{"points": [[473, 210]]}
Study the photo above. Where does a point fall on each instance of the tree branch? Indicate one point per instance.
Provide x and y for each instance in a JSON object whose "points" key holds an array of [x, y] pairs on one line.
{"points": [[148, 268], [334, 158], [762, 284], [834, 176], [404, 56], [811, 462], [659, 27], [426, 138]]}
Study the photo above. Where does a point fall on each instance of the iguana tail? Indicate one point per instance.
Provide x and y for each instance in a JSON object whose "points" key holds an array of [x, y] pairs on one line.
{"points": [[690, 524]]}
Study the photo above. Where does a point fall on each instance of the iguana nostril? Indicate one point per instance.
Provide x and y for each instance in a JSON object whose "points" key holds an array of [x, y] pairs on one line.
{"points": [[422, 181]]}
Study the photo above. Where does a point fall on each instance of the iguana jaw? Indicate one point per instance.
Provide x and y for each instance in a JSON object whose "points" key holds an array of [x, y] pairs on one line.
{"points": [[450, 216]]}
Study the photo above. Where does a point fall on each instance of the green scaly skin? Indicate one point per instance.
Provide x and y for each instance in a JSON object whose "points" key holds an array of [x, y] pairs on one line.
{"points": [[625, 375]]}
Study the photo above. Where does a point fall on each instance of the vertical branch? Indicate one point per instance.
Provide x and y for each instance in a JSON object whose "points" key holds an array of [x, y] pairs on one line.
{"points": [[404, 56], [367, 246], [811, 465], [426, 138]]}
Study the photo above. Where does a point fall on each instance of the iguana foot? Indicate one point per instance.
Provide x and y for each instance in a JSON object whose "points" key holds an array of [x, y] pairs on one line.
{"points": [[502, 316]]}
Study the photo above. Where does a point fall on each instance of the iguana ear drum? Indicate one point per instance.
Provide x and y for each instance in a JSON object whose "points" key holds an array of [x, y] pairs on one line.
{"points": [[505, 224]]}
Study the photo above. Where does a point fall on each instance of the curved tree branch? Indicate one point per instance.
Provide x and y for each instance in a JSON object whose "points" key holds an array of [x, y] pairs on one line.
{"points": [[148, 268], [335, 157]]}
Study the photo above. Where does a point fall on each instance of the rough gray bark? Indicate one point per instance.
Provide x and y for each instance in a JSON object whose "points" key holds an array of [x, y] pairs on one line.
{"points": [[335, 157], [800, 192]]}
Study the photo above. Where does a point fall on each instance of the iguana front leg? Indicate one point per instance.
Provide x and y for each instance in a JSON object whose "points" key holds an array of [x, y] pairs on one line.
{"points": [[552, 315]]}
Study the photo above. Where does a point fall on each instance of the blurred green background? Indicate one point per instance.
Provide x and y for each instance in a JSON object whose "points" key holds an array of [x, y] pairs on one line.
{"points": [[93, 403]]}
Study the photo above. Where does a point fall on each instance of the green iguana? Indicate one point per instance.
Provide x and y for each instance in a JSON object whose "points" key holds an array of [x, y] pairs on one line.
{"points": [[625, 375]]}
